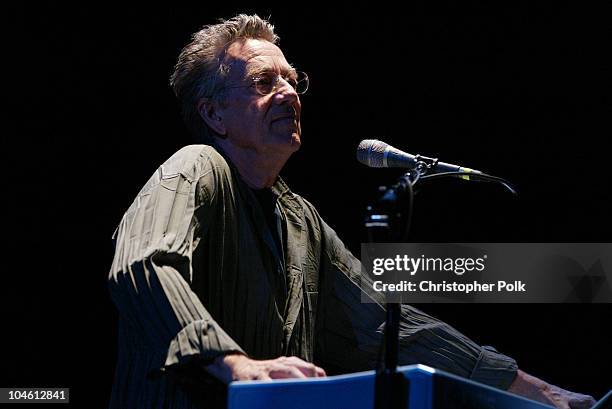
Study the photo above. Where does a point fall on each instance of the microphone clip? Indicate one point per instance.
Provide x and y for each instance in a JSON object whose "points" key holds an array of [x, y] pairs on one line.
{"points": [[424, 164], [388, 220]]}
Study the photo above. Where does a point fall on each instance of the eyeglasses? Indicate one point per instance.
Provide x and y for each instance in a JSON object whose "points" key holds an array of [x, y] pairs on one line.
{"points": [[270, 82]]}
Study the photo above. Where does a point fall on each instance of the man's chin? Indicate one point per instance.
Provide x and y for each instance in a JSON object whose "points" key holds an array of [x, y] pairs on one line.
{"points": [[290, 140]]}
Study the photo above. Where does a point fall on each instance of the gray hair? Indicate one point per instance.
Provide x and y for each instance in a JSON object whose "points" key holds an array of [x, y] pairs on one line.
{"points": [[200, 72]]}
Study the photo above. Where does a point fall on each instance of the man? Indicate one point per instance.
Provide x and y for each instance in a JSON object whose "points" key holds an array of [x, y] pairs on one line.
{"points": [[221, 272]]}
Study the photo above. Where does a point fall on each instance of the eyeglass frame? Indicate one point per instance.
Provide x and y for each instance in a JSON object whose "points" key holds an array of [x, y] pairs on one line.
{"points": [[256, 78]]}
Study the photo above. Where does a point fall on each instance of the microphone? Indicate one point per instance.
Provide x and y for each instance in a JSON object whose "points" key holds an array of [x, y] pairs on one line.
{"points": [[378, 154]]}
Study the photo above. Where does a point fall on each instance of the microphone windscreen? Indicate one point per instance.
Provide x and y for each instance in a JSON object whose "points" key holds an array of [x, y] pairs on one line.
{"points": [[371, 152]]}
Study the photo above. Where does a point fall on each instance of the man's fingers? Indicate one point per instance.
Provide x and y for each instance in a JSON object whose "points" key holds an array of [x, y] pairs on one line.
{"points": [[297, 373], [582, 402], [282, 371], [243, 368], [311, 370], [307, 368], [292, 360]]}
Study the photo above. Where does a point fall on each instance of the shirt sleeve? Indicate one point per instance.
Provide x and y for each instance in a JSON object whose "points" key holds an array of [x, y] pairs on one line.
{"points": [[351, 330], [151, 270]]}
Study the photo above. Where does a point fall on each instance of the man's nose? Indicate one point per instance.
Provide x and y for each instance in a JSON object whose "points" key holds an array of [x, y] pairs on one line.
{"points": [[285, 93]]}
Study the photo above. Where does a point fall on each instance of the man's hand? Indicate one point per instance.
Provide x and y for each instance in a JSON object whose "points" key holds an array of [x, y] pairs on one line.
{"points": [[538, 390], [237, 367]]}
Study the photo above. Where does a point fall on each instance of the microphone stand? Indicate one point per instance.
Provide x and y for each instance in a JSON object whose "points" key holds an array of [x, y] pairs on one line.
{"points": [[383, 224]]}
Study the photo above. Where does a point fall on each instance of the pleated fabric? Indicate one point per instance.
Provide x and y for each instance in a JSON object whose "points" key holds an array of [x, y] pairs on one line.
{"points": [[196, 275]]}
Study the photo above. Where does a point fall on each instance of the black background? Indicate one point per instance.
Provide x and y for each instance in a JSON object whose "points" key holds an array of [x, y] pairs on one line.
{"points": [[520, 91]]}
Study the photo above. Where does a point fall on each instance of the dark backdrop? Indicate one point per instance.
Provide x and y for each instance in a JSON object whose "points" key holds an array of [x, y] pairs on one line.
{"points": [[520, 91]]}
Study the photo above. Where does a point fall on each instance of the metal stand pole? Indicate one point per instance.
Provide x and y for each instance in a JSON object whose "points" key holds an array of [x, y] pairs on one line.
{"points": [[384, 224]]}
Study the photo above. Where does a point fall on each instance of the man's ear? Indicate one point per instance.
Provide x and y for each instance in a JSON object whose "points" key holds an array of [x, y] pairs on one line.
{"points": [[209, 112]]}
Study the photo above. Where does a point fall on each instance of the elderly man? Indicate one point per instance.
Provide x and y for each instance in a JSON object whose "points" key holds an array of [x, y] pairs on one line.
{"points": [[221, 272]]}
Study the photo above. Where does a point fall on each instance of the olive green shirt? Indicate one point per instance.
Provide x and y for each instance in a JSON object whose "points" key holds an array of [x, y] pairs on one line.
{"points": [[197, 274]]}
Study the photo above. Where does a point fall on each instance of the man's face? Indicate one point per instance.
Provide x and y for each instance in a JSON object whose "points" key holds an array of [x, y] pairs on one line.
{"points": [[263, 123]]}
